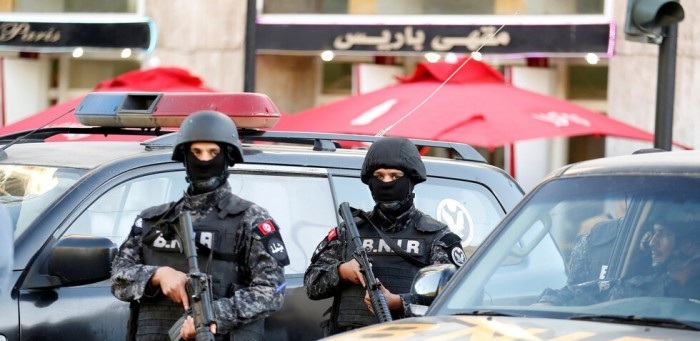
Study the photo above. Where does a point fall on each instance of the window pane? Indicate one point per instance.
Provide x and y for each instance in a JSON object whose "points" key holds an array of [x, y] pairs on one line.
{"points": [[301, 205], [27, 190], [469, 209], [113, 213]]}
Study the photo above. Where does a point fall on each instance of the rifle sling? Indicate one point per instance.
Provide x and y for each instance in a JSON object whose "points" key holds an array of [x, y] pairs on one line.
{"points": [[392, 244]]}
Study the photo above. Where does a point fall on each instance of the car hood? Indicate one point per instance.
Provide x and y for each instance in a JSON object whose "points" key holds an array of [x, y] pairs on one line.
{"points": [[484, 328]]}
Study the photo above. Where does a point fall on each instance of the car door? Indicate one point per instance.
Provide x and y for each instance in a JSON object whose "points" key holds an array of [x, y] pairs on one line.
{"points": [[300, 200], [49, 311]]}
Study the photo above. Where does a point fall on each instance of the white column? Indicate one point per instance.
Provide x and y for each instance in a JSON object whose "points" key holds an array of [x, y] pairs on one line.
{"points": [[536, 158], [29, 79]]}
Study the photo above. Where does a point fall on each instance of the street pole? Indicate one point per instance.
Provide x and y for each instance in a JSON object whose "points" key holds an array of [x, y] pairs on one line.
{"points": [[249, 73], [665, 89]]}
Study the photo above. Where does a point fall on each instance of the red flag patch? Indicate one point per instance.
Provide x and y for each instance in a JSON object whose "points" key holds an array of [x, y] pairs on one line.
{"points": [[332, 234], [266, 227]]}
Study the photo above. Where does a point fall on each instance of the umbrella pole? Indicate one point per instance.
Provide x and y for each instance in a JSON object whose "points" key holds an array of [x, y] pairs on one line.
{"points": [[511, 158]]}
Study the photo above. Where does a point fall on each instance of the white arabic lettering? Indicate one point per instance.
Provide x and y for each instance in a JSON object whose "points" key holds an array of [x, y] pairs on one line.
{"points": [[384, 42], [276, 247], [474, 40]]}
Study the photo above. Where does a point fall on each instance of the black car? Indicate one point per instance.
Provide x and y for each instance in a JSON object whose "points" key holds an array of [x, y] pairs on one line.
{"points": [[74, 202], [605, 249]]}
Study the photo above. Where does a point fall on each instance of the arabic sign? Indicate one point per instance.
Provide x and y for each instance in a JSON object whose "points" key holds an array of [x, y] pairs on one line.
{"points": [[543, 39], [27, 36]]}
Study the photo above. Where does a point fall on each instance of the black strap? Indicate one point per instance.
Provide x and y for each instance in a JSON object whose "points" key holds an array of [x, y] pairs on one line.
{"points": [[392, 244], [132, 325]]}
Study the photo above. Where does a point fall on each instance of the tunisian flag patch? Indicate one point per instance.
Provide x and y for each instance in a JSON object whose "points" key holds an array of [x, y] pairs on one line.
{"points": [[266, 227], [331, 234]]}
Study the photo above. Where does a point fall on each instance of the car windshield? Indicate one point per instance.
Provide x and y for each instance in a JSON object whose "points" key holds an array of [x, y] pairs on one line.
{"points": [[27, 190], [581, 247]]}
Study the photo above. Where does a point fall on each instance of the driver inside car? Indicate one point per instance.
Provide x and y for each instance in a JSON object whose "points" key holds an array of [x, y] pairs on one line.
{"points": [[675, 264]]}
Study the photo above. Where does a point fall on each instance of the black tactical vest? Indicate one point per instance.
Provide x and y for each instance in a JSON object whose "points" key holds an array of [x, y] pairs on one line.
{"points": [[393, 271], [216, 231], [601, 240]]}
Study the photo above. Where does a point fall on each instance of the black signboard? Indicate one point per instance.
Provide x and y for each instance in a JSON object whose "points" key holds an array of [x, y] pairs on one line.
{"points": [[63, 36], [510, 39]]}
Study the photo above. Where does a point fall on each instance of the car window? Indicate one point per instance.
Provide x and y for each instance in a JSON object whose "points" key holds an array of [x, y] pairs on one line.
{"points": [[592, 245], [27, 190], [302, 205], [469, 209], [114, 212]]}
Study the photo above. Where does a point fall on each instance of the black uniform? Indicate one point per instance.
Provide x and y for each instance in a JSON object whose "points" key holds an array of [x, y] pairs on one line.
{"points": [[246, 267], [589, 261], [238, 243], [424, 239], [421, 236]]}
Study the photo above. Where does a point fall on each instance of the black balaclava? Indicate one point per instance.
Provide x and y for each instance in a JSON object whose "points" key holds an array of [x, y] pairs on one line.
{"points": [[205, 176], [393, 198]]}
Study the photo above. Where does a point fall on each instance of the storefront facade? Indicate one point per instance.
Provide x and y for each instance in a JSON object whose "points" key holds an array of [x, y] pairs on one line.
{"points": [[54, 51], [309, 52]]}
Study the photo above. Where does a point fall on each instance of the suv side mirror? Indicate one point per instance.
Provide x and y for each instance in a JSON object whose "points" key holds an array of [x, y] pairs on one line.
{"points": [[428, 283], [77, 260]]}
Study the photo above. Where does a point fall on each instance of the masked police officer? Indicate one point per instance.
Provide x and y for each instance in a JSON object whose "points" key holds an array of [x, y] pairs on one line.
{"points": [[238, 244], [392, 167]]}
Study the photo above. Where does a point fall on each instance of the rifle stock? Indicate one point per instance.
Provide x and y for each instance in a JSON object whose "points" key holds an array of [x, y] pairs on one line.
{"points": [[376, 296], [198, 286]]}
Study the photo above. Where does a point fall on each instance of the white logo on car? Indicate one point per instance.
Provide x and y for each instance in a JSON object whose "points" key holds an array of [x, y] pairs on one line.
{"points": [[457, 218]]}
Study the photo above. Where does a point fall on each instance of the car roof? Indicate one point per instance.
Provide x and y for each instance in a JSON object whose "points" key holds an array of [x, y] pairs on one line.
{"points": [[86, 155], [660, 163], [286, 148]]}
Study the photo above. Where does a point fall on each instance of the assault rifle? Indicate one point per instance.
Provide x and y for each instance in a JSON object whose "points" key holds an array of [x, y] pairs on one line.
{"points": [[376, 296], [198, 288]]}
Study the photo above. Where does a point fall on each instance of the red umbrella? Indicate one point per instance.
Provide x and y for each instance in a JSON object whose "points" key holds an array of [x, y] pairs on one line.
{"points": [[155, 79], [475, 106]]}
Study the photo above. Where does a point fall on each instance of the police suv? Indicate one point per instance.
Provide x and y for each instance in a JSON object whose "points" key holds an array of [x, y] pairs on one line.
{"points": [[73, 203], [605, 249]]}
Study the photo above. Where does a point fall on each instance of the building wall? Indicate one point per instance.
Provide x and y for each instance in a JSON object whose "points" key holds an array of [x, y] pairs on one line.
{"points": [[633, 78], [204, 36], [292, 82], [207, 37]]}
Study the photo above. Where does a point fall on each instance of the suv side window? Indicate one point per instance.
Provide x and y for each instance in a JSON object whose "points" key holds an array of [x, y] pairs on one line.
{"points": [[301, 204], [113, 213], [469, 209]]}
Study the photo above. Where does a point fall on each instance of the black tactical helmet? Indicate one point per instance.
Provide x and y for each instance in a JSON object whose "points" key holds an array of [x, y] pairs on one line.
{"points": [[394, 152], [209, 126]]}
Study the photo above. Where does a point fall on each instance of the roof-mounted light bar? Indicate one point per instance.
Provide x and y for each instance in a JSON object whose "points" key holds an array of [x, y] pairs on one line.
{"points": [[169, 109]]}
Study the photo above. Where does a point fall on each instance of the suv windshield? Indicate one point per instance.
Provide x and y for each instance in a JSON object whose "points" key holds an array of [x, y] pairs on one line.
{"points": [[588, 246], [27, 190]]}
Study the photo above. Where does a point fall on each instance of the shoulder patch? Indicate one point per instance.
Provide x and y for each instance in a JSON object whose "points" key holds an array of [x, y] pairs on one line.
{"points": [[266, 228], [275, 246], [332, 234], [272, 240], [137, 227], [457, 255]]}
